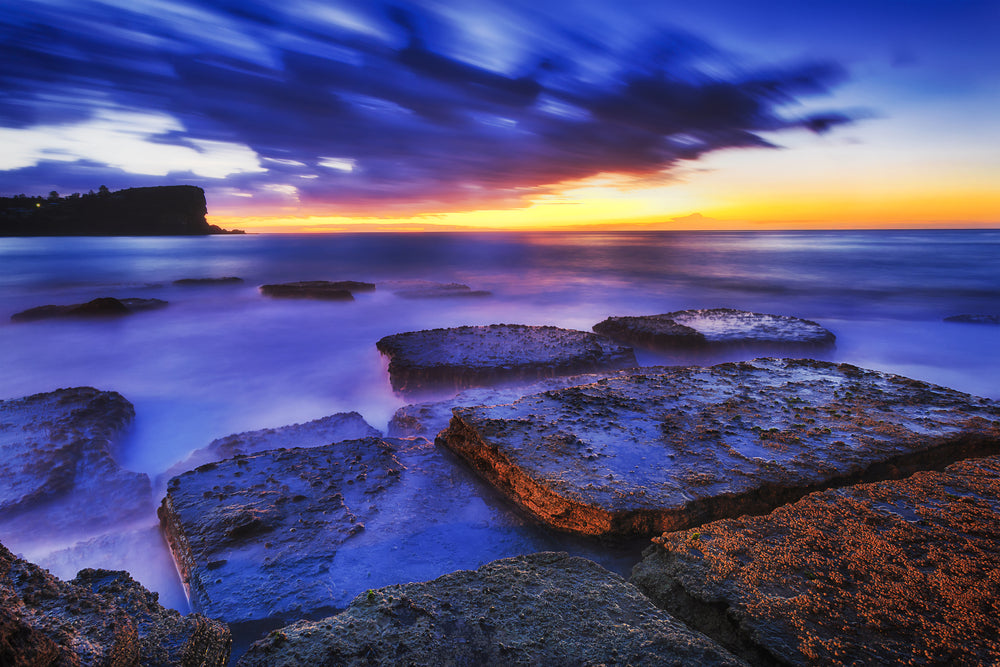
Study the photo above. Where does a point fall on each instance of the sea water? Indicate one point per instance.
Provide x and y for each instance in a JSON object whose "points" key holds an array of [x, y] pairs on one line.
{"points": [[222, 358]]}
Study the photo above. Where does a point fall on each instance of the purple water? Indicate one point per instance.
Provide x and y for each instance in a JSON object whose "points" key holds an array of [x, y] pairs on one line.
{"points": [[223, 359]]}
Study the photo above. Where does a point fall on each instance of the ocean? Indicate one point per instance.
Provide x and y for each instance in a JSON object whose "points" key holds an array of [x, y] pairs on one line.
{"points": [[222, 358]]}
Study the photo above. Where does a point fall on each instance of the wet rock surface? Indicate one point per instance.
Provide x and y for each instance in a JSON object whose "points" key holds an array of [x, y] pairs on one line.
{"points": [[323, 431], [429, 418], [894, 572], [540, 609], [716, 327], [100, 618], [291, 533], [974, 319], [648, 454], [471, 356], [57, 468], [101, 307], [341, 290]]}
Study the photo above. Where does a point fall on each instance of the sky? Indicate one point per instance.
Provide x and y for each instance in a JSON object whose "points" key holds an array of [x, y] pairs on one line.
{"points": [[318, 115]]}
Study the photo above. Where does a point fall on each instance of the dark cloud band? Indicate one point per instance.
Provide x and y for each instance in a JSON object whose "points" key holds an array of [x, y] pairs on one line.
{"points": [[385, 90]]}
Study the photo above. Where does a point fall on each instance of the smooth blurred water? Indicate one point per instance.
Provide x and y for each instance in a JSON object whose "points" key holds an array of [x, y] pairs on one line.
{"points": [[223, 359]]}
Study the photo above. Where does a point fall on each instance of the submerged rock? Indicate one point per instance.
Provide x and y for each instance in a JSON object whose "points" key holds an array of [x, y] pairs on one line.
{"points": [[716, 327], [439, 291], [99, 618], [482, 355], [323, 431], [540, 609], [195, 282], [974, 319], [102, 307], [890, 573], [431, 417], [645, 454], [342, 290], [58, 476]]}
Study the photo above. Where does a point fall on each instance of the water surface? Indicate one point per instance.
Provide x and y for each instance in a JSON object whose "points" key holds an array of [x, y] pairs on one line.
{"points": [[223, 359]]}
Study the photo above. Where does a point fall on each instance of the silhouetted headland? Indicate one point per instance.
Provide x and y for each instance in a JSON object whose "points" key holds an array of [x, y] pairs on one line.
{"points": [[172, 210]]}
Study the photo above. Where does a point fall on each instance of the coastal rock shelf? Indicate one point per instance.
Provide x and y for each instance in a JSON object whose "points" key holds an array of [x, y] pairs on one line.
{"points": [[101, 307], [341, 290], [323, 431], [640, 455], [716, 327], [100, 618], [482, 355], [429, 418], [291, 533], [889, 573], [57, 468], [540, 609]]}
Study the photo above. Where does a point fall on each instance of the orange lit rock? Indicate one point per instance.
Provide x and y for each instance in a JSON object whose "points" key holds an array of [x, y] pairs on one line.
{"points": [[99, 618], [643, 454], [888, 573]]}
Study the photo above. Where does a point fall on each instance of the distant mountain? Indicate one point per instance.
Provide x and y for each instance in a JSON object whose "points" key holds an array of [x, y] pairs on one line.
{"points": [[169, 210]]}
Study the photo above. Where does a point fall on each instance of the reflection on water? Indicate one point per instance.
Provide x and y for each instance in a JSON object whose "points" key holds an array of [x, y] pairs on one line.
{"points": [[223, 359]]}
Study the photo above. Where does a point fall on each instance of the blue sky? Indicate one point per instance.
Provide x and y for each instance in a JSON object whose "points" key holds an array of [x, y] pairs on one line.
{"points": [[401, 108]]}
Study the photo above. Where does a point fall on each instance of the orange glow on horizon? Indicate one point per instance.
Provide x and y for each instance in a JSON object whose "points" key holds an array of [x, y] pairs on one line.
{"points": [[724, 193], [799, 211]]}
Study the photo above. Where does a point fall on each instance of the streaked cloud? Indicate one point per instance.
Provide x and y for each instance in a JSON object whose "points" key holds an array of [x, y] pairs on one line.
{"points": [[377, 107]]}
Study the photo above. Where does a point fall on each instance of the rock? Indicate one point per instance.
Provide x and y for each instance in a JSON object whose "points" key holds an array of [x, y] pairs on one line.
{"points": [[482, 355], [117, 550], [290, 533], [101, 307], [646, 454], [895, 572], [974, 319], [430, 418], [716, 327], [195, 282], [431, 290], [165, 637], [342, 290], [58, 476], [540, 609], [334, 428], [100, 618]]}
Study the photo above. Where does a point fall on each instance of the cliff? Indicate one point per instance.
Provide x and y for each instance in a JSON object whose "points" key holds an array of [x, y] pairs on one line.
{"points": [[157, 211]]}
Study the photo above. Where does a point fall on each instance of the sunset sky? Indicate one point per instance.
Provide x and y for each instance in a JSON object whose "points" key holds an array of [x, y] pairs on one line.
{"points": [[317, 115]]}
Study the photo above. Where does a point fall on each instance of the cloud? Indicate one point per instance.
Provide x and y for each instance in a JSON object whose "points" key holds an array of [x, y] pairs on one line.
{"points": [[376, 108], [127, 141]]}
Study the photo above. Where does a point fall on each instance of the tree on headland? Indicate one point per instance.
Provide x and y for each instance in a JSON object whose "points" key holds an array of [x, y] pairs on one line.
{"points": [[53, 196], [103, 191]]}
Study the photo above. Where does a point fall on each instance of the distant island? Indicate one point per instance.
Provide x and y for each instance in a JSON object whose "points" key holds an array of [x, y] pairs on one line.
{"points": [[170, 210]]}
